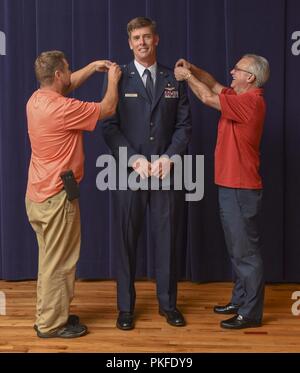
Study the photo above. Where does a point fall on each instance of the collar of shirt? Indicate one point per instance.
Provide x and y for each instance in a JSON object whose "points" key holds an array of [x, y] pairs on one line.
{"points": [[140, 68]]}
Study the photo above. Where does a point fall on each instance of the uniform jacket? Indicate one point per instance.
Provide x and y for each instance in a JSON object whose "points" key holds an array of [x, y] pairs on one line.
{"points": [[163, 127]]}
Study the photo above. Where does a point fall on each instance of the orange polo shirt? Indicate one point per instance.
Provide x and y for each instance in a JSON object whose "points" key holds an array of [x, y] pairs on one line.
{"points": [[237, 154], [55, 125]]}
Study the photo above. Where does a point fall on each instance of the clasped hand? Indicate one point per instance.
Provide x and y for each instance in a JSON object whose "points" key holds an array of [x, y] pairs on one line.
{"points": [[159, 168]]}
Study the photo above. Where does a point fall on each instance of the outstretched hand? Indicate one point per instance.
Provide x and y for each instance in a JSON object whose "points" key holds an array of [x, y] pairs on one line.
{"points": [[102, 65], [183, 63]]}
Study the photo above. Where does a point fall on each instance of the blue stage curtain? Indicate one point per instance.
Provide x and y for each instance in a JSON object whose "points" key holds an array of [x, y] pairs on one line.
{"points": [[213, 34]]}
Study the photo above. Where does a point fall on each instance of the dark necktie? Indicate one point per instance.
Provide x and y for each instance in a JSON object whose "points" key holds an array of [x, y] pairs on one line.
{"points": [[149, 84]]}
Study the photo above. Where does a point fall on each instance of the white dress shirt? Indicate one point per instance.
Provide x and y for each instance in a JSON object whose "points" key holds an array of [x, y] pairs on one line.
{"points": [[140, 68]]}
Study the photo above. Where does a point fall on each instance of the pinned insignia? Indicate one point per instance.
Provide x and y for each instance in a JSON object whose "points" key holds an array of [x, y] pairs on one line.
{"points": [[170, 92]]}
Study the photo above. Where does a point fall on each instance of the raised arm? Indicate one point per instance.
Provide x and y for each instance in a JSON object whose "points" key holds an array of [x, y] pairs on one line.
{"points": [[202, 75], [204, 86], [80, 76], [110, 100]]}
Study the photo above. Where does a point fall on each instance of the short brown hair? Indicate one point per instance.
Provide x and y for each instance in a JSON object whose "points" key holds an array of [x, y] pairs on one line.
{"points": [[46, 64], [140, 22]]}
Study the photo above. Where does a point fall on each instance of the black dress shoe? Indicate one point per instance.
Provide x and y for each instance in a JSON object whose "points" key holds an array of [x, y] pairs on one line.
{"points": [[72, 320], [228, 309], [68, 331], [174, 317], [239, 322], [125, 321]]}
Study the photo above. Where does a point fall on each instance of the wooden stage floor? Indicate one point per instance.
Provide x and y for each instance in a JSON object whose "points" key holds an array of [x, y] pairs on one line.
{"points": [[95, 303]]}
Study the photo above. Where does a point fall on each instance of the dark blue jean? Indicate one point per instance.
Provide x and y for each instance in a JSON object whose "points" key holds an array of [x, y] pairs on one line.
{"points": [[239, 212]]}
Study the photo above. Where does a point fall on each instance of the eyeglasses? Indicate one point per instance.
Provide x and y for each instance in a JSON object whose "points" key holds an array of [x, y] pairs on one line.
{"points": [[236, 68]]}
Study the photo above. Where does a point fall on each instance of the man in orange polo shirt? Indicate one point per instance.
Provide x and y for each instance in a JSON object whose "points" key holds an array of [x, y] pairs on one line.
{"points": [[55, 125], [237, 161]]}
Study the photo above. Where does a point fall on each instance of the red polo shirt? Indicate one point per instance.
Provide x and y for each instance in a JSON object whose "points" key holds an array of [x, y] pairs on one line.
{"points": [[239, 134]]}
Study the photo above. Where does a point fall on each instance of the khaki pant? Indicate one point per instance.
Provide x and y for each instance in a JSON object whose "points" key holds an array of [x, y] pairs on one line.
{"points": [[56, 223]]}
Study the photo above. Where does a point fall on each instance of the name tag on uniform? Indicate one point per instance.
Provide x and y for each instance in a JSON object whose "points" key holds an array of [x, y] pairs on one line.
{"points": [[170, 92], [131, 95]]}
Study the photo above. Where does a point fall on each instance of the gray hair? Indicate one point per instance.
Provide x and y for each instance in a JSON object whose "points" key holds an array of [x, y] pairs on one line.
{"points": [[259, 66]]}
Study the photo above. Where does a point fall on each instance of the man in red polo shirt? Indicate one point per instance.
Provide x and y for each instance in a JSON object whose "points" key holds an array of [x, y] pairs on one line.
{"points": [[237, 160]]}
